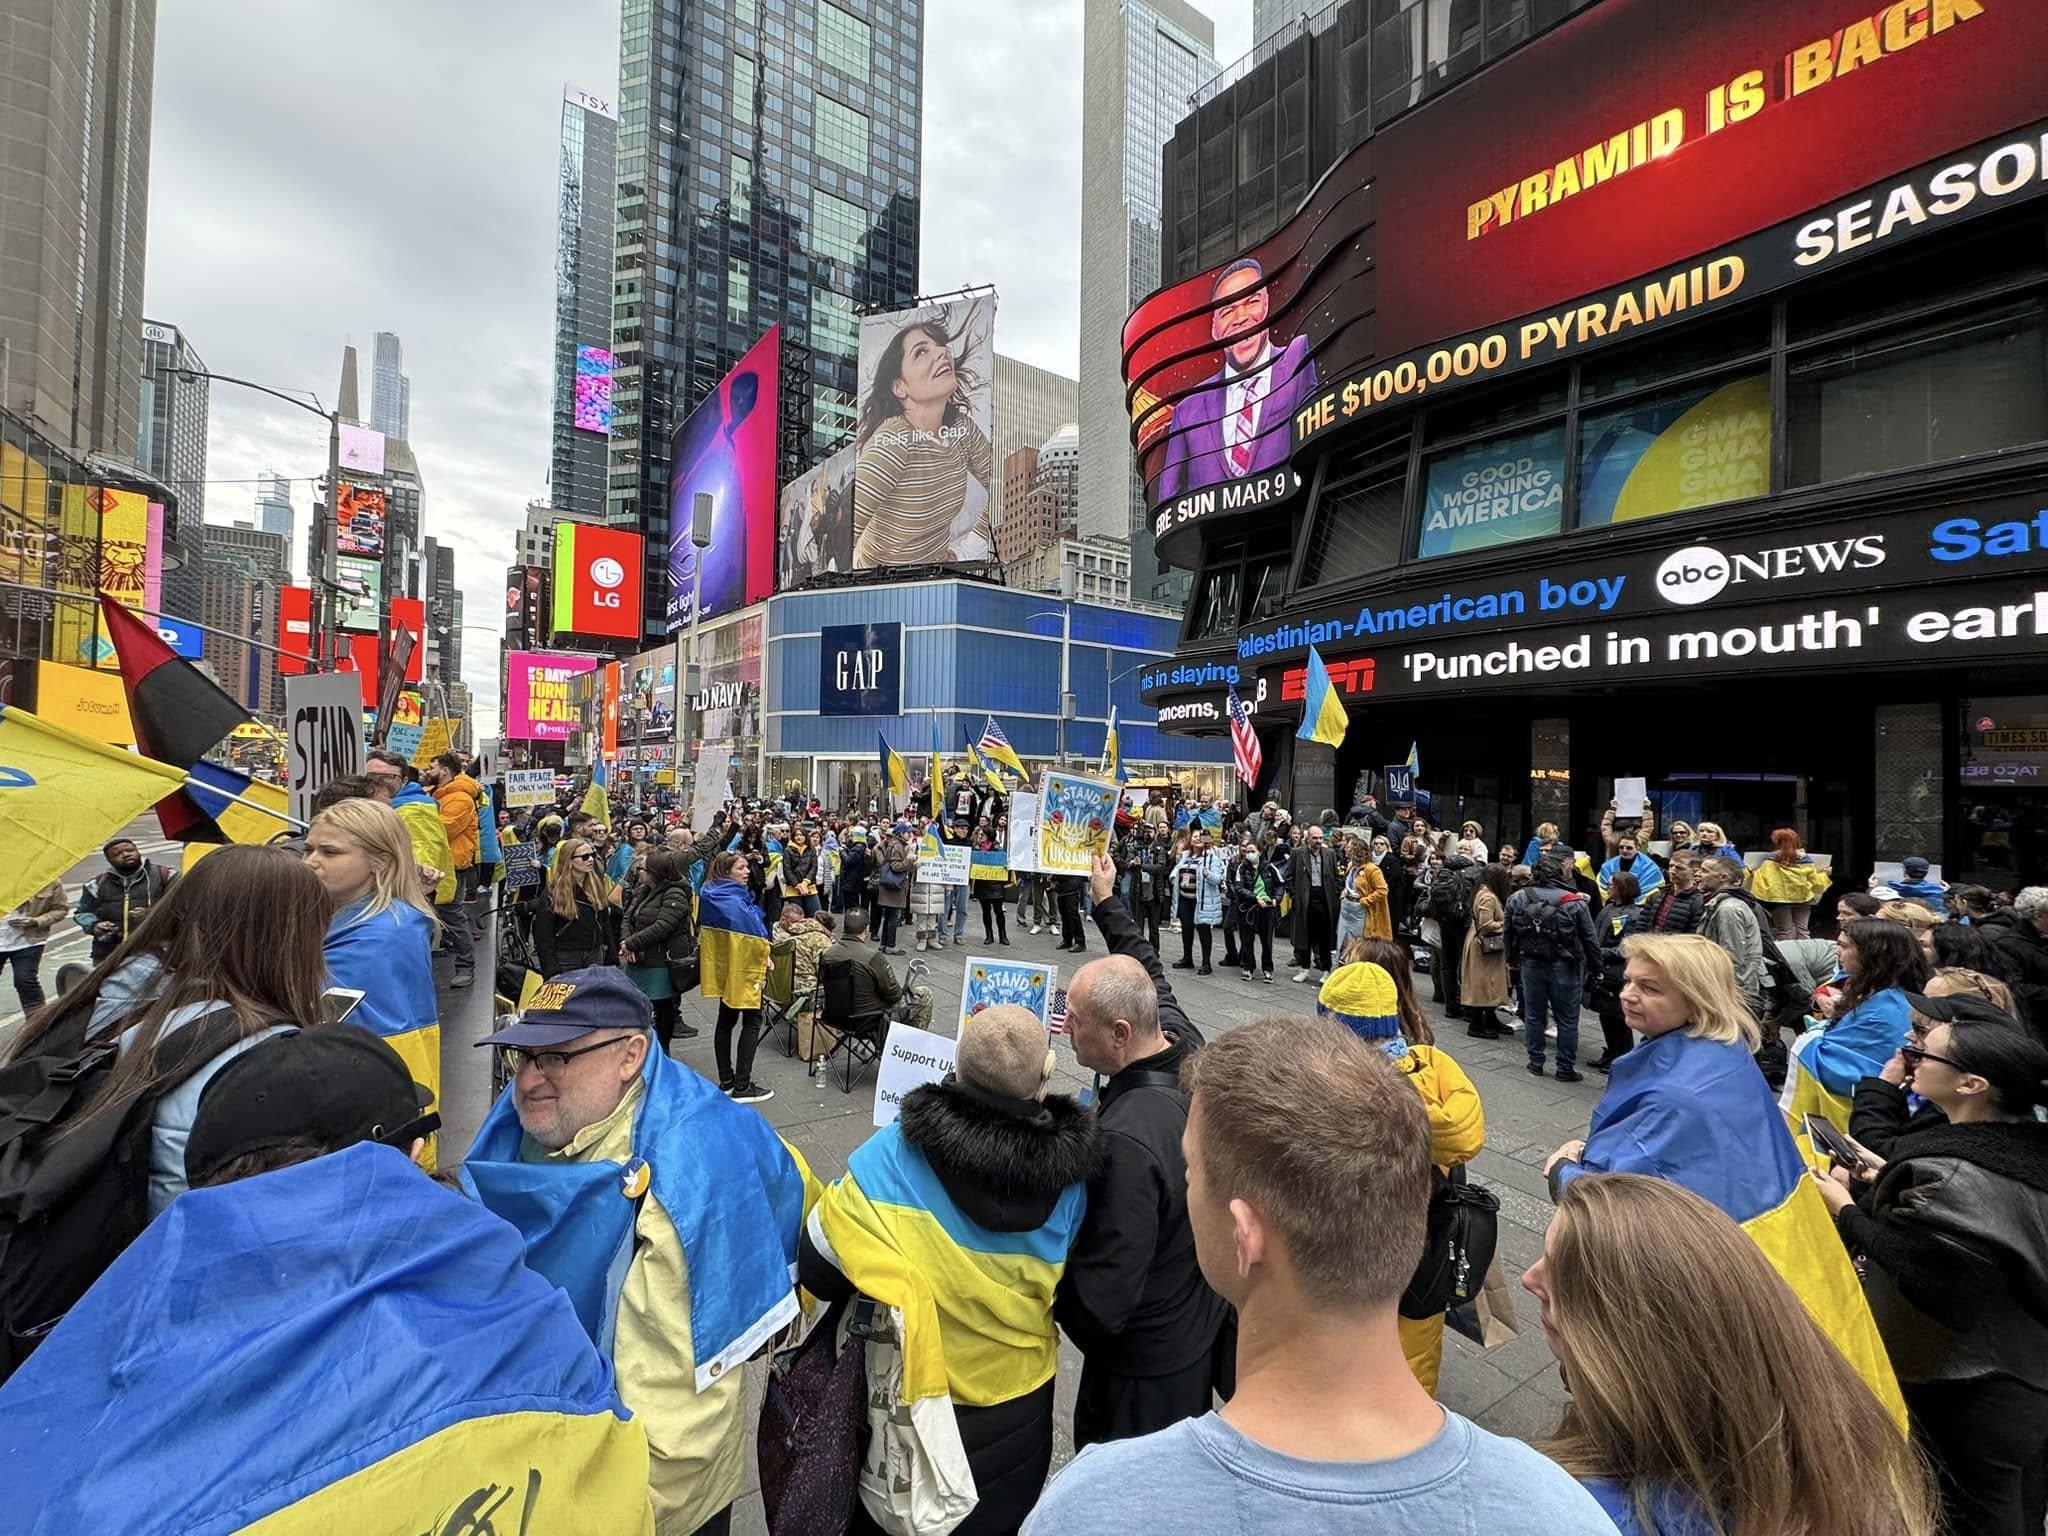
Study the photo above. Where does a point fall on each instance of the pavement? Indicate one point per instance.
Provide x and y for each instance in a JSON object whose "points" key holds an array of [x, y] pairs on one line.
{"points": [[1513, 1389]]}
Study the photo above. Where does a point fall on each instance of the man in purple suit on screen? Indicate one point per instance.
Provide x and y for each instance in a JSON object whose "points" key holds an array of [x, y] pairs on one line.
{"points": [[1235, 423]]}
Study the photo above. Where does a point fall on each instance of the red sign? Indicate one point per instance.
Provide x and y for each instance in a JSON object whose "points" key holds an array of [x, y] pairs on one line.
{"points": [[363, 651], [598, 581], [411, 613], [294, 629], [1351, 677]]}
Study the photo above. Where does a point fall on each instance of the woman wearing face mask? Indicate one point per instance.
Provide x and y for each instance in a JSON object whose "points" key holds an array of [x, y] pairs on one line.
{"points": [[1659, 1395], [1688, 1105], [1954, 1227]]}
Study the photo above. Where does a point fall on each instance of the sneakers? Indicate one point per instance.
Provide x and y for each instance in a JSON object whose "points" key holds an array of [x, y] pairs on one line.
{"points": [[1247, 975], [1034, 928], [751, 1093], [1304, 975], [464, 976], [1535, 1068], [727, 1084], [1269, 978]]}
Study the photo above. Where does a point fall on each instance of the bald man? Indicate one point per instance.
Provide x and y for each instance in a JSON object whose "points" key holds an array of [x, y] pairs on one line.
{"points": [[1153, 1336]]}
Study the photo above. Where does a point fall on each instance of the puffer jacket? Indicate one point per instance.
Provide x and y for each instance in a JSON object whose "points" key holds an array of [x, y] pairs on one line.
{"points": [[458, 800], [1956, 1228], [1798, 884], [1457, 1130], [799, 869], [660, 923], [1669, 911], [1209, 874]]}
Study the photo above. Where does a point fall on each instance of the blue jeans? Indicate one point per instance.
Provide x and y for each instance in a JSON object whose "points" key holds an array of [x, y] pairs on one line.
{"points": [[1552, 985], [955, 912]]}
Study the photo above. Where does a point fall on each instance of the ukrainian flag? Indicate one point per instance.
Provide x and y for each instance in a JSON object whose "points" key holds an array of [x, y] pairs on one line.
{"points": [[1323, 717], [976, 1304], [935, 780], [389, 956], [1112, 751], [1827, 1064], [342, 1345], [895, 776], [1698, 1113], [732, 944]]}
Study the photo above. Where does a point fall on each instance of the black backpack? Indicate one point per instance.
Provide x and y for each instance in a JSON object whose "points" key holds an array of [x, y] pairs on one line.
{"points": [[1450, 895], [1544, 929], [1463, 1230], [69, 1205]]}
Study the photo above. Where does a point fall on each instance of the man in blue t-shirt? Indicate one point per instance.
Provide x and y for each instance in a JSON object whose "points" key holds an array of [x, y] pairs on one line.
{"points": [[1308, 1183]]}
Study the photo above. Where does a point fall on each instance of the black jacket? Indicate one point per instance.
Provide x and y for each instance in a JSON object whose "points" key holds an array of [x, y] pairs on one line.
{"points": [[1133, 1298], [876, 986], [659, 924], [110, 897], [1880, 1117], [591, 937], [2025, 953], [1318, 869], [1957, 1233], [1670, 911], [1004, 1164]]}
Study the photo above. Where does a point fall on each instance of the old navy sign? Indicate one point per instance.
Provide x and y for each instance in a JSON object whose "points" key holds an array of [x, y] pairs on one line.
{"points": [[860, 669]]}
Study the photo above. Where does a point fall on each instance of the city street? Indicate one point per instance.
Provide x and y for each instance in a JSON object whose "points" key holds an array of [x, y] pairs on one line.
{"points": [[1513, 1389]]}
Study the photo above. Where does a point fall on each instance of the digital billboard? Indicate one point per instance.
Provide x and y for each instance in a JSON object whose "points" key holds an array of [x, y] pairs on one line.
{"points": [[924, 471], [1666, 159], [594, 390], [815, 530], [359, 592], [726, 449], [294, 629], [538, 704], [362, 449], [597, 581], [359, 520], [647, 711], [102, 546]]}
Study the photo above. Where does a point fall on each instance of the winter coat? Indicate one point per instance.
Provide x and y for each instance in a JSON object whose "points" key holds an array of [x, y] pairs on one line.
{"points": [[810, 942], [124, 901], [1524, 943], [1245, 876], [927, 897], [876, 986], [589, 938], [999, 1176], [1483, 977], [660, 924], [1367, 887], [1457, 1130], [41, 913], [897, 857], [856, 863], [1208, 873], [1133, 1298], [1314, 869], [1801, 884], [1730, 921], [1931, 894], [1956, 1229], [2025, 952], [1880, 1116], [800, 869], [1670, 911], [458, 800]]}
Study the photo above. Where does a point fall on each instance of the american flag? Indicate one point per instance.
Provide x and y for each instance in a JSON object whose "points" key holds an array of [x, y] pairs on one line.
{"points": [[1244, 741]]}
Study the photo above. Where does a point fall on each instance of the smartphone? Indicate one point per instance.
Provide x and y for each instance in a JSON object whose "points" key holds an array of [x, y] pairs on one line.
{"points": [[1822, 1133], [337, 1003]]}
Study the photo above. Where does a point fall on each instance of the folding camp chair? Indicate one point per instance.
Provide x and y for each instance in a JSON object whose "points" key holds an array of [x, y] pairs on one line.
{"points": [[859, 1039]]}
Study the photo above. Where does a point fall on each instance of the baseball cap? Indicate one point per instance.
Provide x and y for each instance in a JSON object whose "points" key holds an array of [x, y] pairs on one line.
{"points": [[1915, 865], [1960, 1005], [333, 1086], [574, 1003]]}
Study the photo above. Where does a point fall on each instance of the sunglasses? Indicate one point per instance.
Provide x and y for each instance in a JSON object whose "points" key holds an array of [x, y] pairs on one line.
{"points": [[1914, 1055]]}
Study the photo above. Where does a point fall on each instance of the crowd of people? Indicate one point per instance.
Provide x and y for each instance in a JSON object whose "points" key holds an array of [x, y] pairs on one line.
{"points": [[1796, 1279]]}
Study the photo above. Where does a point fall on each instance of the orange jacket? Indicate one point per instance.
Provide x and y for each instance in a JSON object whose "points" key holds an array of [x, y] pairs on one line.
{"points": [[458, 801]]}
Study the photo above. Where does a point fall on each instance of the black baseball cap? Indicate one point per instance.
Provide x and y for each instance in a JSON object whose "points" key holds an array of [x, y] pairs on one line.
{"points": [[334, 1086], [573, 1004], [1965, 1006]]}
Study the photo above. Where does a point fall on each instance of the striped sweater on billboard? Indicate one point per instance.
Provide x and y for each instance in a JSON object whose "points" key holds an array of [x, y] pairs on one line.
{"points": [[910, 486]]}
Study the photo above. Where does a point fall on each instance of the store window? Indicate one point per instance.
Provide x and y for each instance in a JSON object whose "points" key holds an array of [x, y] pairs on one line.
{"points": [[1214, 610], [1677, 451], [1357, 519], [1498, 491]]}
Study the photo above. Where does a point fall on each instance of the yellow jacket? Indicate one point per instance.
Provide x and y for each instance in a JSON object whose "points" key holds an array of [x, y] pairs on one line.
{"points": [[1457, 1130], [1800, 884]]}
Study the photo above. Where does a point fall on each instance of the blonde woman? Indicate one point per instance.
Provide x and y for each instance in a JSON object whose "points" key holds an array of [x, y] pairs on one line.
{"points": [[1688, 1105], [381, 938], [1662, 1397], [576, 925]]}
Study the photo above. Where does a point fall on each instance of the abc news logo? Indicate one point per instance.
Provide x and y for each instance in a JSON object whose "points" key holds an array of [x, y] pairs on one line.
{"points": [[1699, 573]]}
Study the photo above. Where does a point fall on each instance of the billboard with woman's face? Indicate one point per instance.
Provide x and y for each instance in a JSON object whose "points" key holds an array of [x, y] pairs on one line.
{"points": [[924, 467], [816, 531]]}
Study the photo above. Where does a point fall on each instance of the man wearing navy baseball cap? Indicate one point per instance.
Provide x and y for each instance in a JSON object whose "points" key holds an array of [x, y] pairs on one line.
{"points": [[667, 1212]]}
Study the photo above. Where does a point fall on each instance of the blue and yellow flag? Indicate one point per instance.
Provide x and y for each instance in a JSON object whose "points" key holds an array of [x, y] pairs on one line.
{"points": [[1323, 717], [1112, 751], [1414, 762], [732, 944], [389, 956], [995, 746], [595, 801], [895, 776], [342, 1345], [898, 1236], [989, 864], [982, 765], [1698, 1113], [936, 771], [1827, 1064], [62, 795]]}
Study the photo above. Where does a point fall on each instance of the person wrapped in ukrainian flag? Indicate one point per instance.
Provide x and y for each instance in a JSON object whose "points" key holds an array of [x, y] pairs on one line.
{"points": [[1689, 1105], [956, 1222], [1881, 963]]}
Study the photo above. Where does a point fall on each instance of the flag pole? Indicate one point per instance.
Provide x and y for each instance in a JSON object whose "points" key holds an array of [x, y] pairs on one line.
{"points": [[290, 821]]}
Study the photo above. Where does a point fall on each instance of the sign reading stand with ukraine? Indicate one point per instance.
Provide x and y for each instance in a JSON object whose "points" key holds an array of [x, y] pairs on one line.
{"points": [[1075, 820]]}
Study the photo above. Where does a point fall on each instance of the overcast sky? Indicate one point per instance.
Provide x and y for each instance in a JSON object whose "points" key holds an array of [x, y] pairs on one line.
{"points": [[319, 173]]}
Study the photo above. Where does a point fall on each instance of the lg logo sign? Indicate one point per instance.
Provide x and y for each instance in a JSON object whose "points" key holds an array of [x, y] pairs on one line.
{"points": [[1693, 574], [606, 574]]}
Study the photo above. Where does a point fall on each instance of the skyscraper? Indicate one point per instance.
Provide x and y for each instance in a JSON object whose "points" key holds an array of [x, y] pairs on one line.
{"points": [[1142, 60], [444, 611], [1030, 405], [274, 505], [1269, 16], [583, 302], [171, 445], [244, 568], [769, 161], [390, 389], [76, 82]]}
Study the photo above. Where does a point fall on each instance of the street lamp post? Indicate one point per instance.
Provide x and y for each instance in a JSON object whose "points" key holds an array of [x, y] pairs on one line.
{"points": [[1065, 615], [700, 540]]}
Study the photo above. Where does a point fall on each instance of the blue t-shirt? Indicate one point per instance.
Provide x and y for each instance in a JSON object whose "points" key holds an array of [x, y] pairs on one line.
{"points": [[1203, 1478]]}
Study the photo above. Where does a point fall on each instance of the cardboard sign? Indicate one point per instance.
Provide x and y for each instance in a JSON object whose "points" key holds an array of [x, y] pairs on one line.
{"points": [[1630, 796], [1076, 817], [528, 786], [435, 738], [944, 863], [1023, 832], [910, 1059], [404, 740], [323, 734], [713, 766], [986, 981]]}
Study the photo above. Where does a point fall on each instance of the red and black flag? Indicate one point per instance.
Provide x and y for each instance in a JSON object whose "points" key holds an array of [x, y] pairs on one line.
{"points": [[179, 713]]}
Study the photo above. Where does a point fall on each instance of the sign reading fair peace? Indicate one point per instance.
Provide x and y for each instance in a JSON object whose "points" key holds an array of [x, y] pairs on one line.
{"points": [[860, 669]]}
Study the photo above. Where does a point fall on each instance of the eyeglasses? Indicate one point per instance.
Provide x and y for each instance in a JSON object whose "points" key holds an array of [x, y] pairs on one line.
{"points": [[1915, 1055], [552, 1063], [585, 857]]}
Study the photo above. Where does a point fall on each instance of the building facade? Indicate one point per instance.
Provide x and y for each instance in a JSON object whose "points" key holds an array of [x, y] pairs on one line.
{"points": [[1570, 490], [1142, 59], [274, 504], [243, 570], [769, 161], [536, 539], [1045, 513], [390, 389], [1030, 405], [579, 462], [74, 208], [171, 445], [444, 611]]}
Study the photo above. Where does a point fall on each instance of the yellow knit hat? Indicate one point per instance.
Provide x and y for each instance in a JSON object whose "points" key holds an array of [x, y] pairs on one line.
{"points": [[1362, 997]]}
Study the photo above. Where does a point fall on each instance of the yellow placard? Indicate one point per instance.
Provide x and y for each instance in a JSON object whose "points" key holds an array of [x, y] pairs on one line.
{"points": [[90, 702], [435, 739], [664, 775]]}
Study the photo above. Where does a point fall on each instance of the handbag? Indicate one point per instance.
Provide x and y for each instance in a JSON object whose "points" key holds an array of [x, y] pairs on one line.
{"points": [[914, 1477], [1463, 1231], [1493, 943], [814, 1418]]}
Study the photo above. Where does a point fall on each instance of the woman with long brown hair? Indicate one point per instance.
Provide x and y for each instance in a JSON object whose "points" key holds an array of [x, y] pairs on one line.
{"points": [[575, 925], [1704, 1401]]}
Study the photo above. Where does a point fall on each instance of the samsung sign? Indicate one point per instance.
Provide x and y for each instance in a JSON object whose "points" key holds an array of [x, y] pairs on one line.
{"points": [[860, 669]]}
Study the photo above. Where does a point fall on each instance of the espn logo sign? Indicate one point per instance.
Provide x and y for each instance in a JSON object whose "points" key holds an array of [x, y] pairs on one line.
{"points": [[1347, 677]]}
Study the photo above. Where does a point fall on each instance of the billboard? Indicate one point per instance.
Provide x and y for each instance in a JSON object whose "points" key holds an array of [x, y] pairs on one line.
{"points": [[815, 529], [362, 449], [1667, 158], [860, 669], [647, 711], [358, 592], [294, 629], [525, 589], [726, 450], [925, 471], [594, 390], [538, 706], [102, 546], [359, 520], [597, 581], [91, 702]]}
